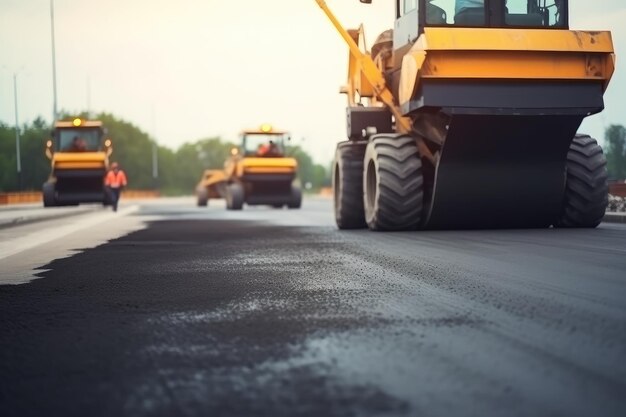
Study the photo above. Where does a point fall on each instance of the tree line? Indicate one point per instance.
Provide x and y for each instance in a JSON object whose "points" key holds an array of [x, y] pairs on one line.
{"points": [[178, 170]]}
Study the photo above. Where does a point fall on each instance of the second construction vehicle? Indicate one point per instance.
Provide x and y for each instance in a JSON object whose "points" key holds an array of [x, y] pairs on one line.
{"points": [[465, 115], [257, 173], [79, 153]]}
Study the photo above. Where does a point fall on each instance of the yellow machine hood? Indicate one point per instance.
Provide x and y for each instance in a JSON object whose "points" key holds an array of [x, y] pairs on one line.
{"points": [[268, 166], [517, 54], [79, 160]]}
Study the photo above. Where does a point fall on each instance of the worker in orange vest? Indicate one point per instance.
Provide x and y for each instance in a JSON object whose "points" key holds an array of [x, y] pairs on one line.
{"points": [[263, 149], [114, 182]]}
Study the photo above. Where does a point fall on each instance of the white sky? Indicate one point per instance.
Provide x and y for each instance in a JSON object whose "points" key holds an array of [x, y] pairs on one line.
{"points": [[188, 69]]}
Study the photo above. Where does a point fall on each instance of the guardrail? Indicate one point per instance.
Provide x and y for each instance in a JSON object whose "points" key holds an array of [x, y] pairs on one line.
{"points": [[617, 189], [37, 197]]}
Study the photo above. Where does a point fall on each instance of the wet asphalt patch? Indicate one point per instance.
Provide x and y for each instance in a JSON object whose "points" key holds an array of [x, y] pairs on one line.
{"points": [[183, 318]]}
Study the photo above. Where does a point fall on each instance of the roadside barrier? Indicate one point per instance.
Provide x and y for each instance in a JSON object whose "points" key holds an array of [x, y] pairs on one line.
{"points": [[36, 196], [617, 189]]}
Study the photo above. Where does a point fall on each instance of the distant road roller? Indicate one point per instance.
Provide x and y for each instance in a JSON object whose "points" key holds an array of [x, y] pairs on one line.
{"points": [[79, 154], [468, 118], [257, 173]]}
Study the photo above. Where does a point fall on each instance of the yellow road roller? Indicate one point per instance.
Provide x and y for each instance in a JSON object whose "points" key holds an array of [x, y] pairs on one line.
{"points": [[79, 156], [258, 172], [465, 115]]}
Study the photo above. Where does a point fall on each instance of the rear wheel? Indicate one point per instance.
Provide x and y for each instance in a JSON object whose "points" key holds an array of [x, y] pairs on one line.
{"points": [[234, 196], [49, 199], [295, 202], [586, 184], [348, 185], [202, 197], [393, 183]]}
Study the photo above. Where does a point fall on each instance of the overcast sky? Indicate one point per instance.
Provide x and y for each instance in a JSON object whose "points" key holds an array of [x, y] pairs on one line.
{"points": [[188, 69]]}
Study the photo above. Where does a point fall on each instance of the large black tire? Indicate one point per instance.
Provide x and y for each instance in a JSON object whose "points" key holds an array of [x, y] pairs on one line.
{"points": [[348, 185], [393, 183], [202, 196], [295, 201], [234, 196], [586, 184], [49, 199]]}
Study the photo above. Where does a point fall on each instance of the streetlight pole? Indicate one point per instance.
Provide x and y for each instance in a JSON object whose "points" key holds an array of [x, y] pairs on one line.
{"points": [[155, 165], [155, 156], [54, 67], [17, 136]]}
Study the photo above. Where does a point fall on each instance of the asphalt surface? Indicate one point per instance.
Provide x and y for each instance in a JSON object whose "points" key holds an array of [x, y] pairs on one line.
{"points": [[204, 312]]}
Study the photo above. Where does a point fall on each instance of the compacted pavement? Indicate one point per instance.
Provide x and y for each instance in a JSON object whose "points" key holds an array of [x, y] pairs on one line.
{"points": [[166, 309]]}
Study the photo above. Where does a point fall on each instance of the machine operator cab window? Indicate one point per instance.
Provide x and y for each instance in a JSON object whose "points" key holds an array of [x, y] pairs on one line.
{"points": [[79, 140], [414, 15], [264, 142], [263, 145]]}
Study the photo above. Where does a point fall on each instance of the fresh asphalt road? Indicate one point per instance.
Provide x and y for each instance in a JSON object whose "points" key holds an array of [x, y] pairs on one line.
{"points": [[168, 309]]}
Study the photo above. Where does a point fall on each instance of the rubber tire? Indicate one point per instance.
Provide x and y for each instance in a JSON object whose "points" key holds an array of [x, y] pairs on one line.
{"points": [[202, 197], [393, 185], [295, 201], [586, 185], [348, 185], [48, 192], [234, 196]]}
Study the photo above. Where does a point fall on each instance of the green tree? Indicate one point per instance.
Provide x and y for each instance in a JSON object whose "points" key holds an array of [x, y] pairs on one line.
{"points": [[35, 166], [308, 171], [179, 170], [193, 158], [615, 137], [132, 148]]}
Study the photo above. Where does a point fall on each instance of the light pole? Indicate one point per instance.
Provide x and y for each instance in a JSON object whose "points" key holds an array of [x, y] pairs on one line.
{"points": [[155, 156], [54, 67], [17, 136], [155, 165]]}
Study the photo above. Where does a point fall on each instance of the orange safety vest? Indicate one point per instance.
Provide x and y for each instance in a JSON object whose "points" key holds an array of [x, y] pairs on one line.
{"points": [[115, 179]]}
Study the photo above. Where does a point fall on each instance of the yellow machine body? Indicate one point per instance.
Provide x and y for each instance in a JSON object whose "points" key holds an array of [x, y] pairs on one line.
{"points": [[79, 157], [491, 102], [259, 179]]}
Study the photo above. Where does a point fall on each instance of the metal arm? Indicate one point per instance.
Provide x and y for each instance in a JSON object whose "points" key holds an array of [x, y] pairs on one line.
{"points": [[370, 71]]}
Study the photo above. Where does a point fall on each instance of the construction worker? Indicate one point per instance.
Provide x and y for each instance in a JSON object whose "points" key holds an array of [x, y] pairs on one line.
{"points": [[274, 150], [114, 182], [263, 149], [78, 145]]}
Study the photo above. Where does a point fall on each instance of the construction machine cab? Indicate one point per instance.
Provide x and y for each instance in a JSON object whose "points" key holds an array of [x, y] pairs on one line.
{"points": [[412, 16], [265, 142], [78, 136]]}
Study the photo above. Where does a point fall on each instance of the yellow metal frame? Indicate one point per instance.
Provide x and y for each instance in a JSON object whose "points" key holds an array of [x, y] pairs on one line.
{"points": [[478, 53], [507, 54], [362, 61], [361, 68], [79, 160], [84, 123]]}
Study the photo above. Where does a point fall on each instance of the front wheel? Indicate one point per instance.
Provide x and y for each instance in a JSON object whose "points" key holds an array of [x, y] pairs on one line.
{"points": [[586, 184], [234, 196], [295, 201], [202, 197], [49, 199], [392, 183], [348, 185]]}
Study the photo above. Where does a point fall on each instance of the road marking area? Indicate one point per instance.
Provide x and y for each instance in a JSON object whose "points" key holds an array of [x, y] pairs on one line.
{"points": [[22, 258]]}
